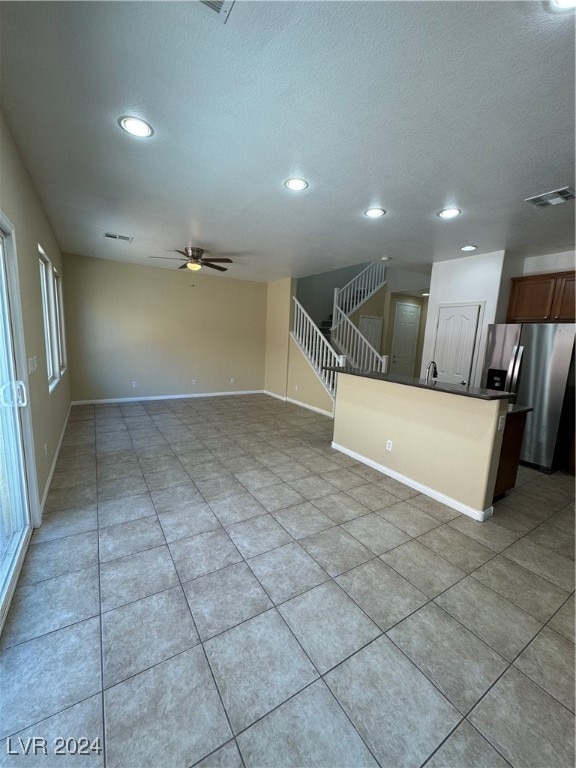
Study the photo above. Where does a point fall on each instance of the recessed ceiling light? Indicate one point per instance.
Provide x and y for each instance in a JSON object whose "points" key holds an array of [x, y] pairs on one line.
{"points": [[374, 213], [136, 127], [564, 5], [296, 185], [449, 213], [468, 247], [385, 258], [425, 294]]}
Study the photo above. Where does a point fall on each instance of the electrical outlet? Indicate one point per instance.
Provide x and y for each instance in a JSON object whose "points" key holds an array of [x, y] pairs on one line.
{"points": [[388, 445], [232, 380], [134, 384], [295, 387]]}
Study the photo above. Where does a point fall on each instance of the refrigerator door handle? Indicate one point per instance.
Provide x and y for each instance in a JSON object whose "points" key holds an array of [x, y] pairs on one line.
{"points": [[517, 368], [510, 374]]}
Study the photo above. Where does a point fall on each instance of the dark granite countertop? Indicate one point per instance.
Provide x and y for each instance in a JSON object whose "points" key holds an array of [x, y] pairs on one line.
{"points": [[433, 384], [512, 409]]}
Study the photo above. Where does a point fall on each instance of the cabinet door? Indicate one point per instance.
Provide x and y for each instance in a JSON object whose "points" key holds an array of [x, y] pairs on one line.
{"points": [[563, 308], [531, 299]]}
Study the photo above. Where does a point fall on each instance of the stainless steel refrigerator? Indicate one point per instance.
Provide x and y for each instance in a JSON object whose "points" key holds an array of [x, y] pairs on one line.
{"points": [[536, 362]]}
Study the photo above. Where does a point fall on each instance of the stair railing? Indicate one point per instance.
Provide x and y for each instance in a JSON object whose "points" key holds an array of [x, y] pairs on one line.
{"points": [[313, 344], [360, 288], [354, 345]]}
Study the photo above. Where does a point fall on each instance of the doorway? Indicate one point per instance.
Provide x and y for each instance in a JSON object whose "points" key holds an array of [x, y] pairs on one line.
{"points": [[15, 427], [455, 342], [405, 338]]}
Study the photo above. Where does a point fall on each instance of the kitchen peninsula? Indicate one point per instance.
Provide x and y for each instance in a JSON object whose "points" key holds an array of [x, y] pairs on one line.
{"points": [[444, 440]]}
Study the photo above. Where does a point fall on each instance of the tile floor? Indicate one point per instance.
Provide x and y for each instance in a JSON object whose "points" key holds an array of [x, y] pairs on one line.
{"points": [[213, 585]]}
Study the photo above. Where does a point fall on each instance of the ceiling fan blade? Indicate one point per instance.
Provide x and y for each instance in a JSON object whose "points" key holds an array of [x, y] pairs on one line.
{"points": [[182, 252], [183, 266], [172, 258], [206, 259], [214, 266]]}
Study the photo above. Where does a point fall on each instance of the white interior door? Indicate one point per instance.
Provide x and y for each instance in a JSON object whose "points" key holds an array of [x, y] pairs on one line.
{"points": [[15, 523], [405, 339], [455, 342], [371, 327]]}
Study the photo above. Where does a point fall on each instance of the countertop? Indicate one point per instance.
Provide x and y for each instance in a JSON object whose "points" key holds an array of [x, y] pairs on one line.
{"points": [[433, 384], [512, 409]]}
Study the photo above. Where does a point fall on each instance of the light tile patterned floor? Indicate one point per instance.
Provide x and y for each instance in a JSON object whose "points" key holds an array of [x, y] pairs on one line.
{"points": [[213, 585]]}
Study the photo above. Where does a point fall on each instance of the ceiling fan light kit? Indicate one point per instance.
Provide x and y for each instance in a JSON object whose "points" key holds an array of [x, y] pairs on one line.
{"points": [[195, 258]]}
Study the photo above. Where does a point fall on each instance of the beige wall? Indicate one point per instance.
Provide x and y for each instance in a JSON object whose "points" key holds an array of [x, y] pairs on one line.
{"points": [[161, 328], [278, 319], [20, 204], [304, 386], [447, 443]]}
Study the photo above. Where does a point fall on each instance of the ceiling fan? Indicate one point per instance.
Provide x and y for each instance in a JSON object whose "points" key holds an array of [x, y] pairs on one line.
{"points": [[194, 259]]}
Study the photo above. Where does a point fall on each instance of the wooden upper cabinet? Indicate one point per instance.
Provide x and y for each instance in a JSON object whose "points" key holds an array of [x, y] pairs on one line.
{"points": [[542, 298], [564, 300]]}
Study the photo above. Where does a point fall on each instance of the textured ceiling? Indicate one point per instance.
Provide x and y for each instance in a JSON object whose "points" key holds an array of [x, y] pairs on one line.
{"points": [[411, 106]]}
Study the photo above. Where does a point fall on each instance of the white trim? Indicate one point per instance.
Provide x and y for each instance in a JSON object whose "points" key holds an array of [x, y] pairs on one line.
{"points": [[476, 514], [310, 363], [13, 278], [273, 394], [52, 469], [168, 397], [16, 563], [310, 407]]}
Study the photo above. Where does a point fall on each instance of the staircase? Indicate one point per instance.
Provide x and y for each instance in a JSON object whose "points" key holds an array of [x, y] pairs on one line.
{"points": [[316, 348], [338, 340], [360, 288], [344, 335]]}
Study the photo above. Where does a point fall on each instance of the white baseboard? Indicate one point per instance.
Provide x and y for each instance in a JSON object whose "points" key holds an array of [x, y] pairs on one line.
{"points": [[310, 407], [477, 514], [113, 400], [53, 467], [273, 394]]}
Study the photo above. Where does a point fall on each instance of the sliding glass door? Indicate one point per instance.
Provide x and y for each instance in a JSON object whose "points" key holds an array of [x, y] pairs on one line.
{"points": [[15, 523]]}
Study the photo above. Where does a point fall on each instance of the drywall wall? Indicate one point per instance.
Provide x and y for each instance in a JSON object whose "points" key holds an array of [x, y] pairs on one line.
{"points": [[469, 280], [404, 280], [21, 205], [304, 386], [551, 262], [316, 292], [447, 443], [172, 332], [278, 317]]}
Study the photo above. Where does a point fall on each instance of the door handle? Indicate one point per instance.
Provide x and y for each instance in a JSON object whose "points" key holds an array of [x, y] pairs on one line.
{"points": [[21, 394]]}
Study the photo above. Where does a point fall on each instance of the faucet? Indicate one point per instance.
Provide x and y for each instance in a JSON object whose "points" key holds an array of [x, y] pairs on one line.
{"points": [[431, 367]]}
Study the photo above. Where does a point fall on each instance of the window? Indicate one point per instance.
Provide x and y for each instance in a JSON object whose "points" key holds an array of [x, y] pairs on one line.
{"points": [[52, 309]]}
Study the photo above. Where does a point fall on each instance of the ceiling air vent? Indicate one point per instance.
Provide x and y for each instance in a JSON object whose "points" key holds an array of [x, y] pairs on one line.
{"points": [[112, 236], [555, 197], [221, 7]]}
